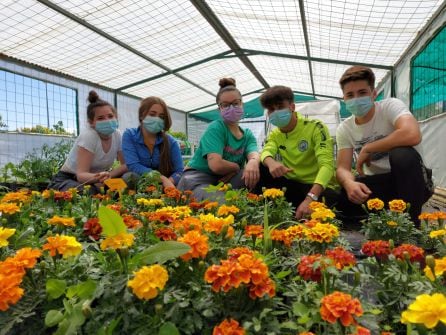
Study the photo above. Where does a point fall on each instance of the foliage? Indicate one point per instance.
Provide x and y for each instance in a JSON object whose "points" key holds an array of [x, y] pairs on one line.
{"points": [[57, 128]]}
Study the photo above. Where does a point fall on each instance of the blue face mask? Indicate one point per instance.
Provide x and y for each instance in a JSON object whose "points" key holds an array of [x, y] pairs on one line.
{"points": [[153, 124], [359, 106], [106, 127], [280, 118]]}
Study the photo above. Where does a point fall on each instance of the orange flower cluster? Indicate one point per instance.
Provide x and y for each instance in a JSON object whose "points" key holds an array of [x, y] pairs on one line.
{"points": [[197, 242], [225, 210], [306, 333], [117, 208], [19, 197], [187, 224], [379, 249], [244, 269], [172, 192], [322, 233], [166, 234], [218, 225], [432, 216], [254, 230], [162, 217], [253, 197], [211, 205], [100, 196], [58, 195], [375, 203], [62, 245], [228, 327], [288, 235], [397, 205], [131, 222], [92, 228], [414, 253], [362, 331], [340, 306], [12, 271], [322, 214], [9, 208], [341, 257], [118, 241], [61, 221], [235, 253]]}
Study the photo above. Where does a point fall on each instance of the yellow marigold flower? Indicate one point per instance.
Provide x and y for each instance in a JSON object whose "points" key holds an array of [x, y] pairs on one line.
{"points": [[226, 210], [322, 233], [322, 214], [175, 212], [426, 309], [316, 204], [224, 188], [148, 280], [150, 202], [440, 268], [437, 233], [392, 223], [61, 221], [197, 242], [397, 205], [5, 233], [62, 245], [273, 193], [118, 241], [375, 203], [17, 197], [9, 208]]}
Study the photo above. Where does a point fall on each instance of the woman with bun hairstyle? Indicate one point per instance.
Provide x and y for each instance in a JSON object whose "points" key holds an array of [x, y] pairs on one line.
{"points": [[149, 147], [94, 151], [226, 152]]}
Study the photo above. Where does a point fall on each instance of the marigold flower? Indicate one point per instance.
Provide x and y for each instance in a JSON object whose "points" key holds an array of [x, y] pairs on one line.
{"points": [[26, 258], [266, 286], [225, 210], [307, 267], [17, 197], [392, 223], [131, 222], [437, 233], [415, 253], [211, 205], [316, 205], [341, 257], [187, 224], [375, 203], [61, 221], [235, 253], [340, 306], [253, 197], [166, 234], [9, 208], [254, 230], [397, 205], [197, 242], [151, 188], [62, 245], [10, 292], [117, 208], [150, 202], [217, 226], [296, 231], [5, 233], [379, 249], [273, 193], [306, 333], [361, 331], [228, 327], [148, 280], [426, 309], [92, 228], [439, 269], [172, 192], [118, 241], [322, 233], [322, 214]]}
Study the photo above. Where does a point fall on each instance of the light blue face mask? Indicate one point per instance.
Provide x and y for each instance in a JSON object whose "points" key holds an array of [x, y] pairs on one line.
{"points": [[153, 124], [359, 106], [280, 118], [106, 127]]}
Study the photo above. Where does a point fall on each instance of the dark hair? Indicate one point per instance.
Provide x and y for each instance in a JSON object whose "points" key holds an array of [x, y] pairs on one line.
{"points": [[226, 85], [166, 166], [358, 72], [275, 95], [95, 101]]}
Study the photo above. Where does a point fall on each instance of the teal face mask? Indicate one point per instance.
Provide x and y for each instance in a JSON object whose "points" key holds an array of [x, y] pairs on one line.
{"points": [[359, 106], [153, 124], [280, 118], [106, 127]]}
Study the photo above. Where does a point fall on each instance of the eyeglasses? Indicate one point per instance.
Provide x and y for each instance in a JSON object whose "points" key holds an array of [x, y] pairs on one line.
{"points": [[235, 103]]}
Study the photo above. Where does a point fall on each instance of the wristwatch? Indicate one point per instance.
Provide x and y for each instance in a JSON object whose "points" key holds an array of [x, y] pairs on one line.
{"points": [[312, 196]]}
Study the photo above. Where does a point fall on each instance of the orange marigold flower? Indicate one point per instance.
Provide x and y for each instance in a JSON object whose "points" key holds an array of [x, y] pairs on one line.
{"points": [[296, 231], [166, 234], [340, 306], [62, 245], [92, 228], [375, 203], [10, 292], [228, 327], [307, 267], [117, 208], [440, 215], [118, 241], [211, 205], [229, 274], [197, 205], [187, 224], [316, 205], [62, 221], [311, 223], [101, 196], [341, 257], [266, 286], [17, 197], [26, 258], [253, 197], [361, 331], [397, 205], [235, 253], [172, 192], [9, 208], [197, 242], [415, 253], [226, 210], [217, 226], [131, 222], [306, 333], [379, 249], [254, 230]]}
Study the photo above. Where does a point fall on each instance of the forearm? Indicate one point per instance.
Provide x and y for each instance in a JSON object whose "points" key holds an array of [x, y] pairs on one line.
{"points": [[223, 167], [267, 161], [119, 171], [87, 177], [398, 138], [344, 176]]}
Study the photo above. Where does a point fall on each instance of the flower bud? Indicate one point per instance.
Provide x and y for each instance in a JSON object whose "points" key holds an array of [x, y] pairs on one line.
{"points": [[391, 244], [430, 262], [158, 309], [86, 308]]}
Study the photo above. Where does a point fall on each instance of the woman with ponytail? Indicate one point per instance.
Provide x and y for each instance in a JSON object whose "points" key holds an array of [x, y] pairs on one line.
{"points": [[94, 152], [226, 153], [149, 147]]}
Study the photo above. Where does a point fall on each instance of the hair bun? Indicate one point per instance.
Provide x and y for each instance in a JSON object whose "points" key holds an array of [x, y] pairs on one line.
{"points": [[93, 97], [223, 82]]}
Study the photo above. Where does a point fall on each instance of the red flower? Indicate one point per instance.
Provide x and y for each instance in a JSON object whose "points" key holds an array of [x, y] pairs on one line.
{"points": [[166, 234], [228, 327], [379, 249], [341, 257], [92, 228], [415, 253], [307, 268]]}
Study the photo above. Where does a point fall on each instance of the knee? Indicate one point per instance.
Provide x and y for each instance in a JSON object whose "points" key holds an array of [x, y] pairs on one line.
{"points": [[404, 157]]}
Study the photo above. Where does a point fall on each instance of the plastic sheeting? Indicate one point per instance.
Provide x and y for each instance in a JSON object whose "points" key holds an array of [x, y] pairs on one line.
{"points": [[326, 110]]}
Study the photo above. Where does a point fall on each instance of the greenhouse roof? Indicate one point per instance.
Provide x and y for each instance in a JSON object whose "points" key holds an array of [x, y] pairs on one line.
{"points": [[179, 49]]}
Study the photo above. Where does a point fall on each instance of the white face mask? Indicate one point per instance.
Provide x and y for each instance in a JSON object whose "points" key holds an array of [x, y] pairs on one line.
{"points": [[359, 106]]}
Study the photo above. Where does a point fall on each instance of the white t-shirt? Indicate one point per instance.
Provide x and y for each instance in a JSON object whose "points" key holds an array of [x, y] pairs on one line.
{"points": [[89, 139], [350, 135]]}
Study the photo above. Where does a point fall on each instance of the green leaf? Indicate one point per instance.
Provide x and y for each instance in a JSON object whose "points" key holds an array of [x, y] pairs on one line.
{"points": [[303, 319], [168, 329], [160, 253], [53, 317], [289, 325], [283, 274], [375, 311], [299, 309], [55, 287], [83, 290], [111, 222]]}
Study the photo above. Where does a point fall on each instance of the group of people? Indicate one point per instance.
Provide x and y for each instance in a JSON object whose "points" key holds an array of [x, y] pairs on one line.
{"points": [[378, 142]]}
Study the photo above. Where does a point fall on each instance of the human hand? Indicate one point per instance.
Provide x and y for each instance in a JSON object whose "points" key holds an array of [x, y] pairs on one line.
{"points": [[167, 182], [357, 192], [102, 176], [251, 173], [304, 209], [277, 169], [363, 158]]}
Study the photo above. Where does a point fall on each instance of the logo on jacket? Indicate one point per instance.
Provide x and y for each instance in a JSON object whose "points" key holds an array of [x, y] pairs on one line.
{"points": [[303, 146]]}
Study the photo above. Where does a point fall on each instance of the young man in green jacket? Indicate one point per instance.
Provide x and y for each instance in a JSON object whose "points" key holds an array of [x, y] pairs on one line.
{"points": [[298, 154]]}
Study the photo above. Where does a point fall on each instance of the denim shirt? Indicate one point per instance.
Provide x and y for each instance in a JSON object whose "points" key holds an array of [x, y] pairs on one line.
{"points": [[139, 159]]}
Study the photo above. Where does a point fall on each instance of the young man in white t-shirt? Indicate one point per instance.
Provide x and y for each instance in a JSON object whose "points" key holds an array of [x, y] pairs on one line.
{"points": [[380, 136]]}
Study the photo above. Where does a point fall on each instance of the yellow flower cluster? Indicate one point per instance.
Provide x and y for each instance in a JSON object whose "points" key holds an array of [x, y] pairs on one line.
{"points": [[437, 233], [397, 205], [392, 223], [5, 233], [61, 221], [175, 212], [322, 232], [62, 245], [150, 202], [9, 208], [439, 269], [375, 203], [17, 197], [226, 210], [210, 217], [427, 310], [118, 241], [273, 193], [322, 214], [148, 280]]}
